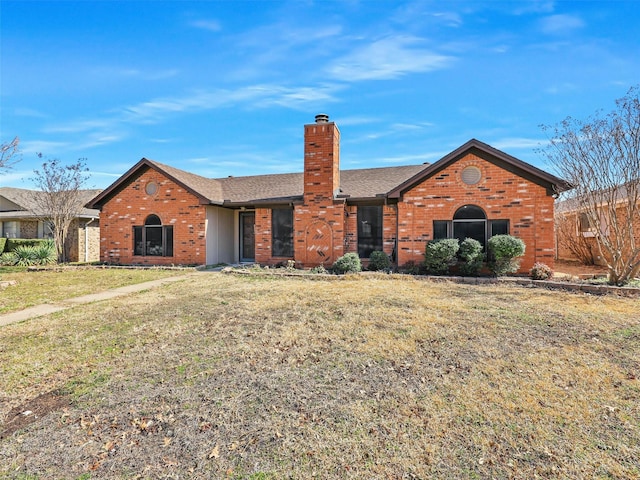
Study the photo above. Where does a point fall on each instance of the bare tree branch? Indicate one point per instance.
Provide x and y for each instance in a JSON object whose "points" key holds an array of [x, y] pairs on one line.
{"points": [[59, 200], [8, 154], [601, 158]]}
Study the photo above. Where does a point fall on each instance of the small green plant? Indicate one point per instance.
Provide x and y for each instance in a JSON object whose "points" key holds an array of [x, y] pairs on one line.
{"points": [[440, 255], [25, 256], [540, 271], [3, 243], [471, 255], [45, 253], [379, 260], [348, 263], [319, 270], [8, 259], [505, 250]]}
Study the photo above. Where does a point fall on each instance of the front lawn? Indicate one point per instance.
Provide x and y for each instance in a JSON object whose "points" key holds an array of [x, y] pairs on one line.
{"points": [[227, 376], [33, 287]]}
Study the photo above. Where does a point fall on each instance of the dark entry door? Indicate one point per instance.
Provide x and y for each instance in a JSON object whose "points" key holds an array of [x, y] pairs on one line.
{"points": [[247, 237]]}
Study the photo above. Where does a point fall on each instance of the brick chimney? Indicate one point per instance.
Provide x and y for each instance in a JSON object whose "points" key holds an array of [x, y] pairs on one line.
{"points": [[321, 160]]}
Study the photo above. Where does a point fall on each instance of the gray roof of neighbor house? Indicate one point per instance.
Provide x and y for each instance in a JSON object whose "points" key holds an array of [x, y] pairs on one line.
{"points": [[22, 203], [355, 185]]}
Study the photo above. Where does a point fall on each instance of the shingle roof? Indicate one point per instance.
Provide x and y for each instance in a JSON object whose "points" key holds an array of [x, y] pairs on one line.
{"points": [[360, 184], [25, 199]]}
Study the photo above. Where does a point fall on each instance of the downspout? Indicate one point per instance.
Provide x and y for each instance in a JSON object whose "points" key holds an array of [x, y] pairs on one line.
{"points": [[86, 240]]}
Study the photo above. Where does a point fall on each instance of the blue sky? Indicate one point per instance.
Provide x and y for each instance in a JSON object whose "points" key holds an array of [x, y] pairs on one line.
{"points": [[223, 88]]}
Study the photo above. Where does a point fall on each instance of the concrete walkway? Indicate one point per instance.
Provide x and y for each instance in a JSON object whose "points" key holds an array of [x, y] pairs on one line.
{"points": [[48, 308]]}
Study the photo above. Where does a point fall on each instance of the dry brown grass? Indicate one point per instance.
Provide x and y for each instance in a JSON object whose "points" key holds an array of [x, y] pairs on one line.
{"points": [[54, 284], [377, 377]]}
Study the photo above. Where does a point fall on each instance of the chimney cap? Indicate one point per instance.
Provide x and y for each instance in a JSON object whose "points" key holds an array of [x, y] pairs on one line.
{"points": [[322, 118]]}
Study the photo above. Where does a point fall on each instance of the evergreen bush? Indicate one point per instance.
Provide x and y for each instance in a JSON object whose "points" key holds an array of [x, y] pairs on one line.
{"points": [[348, 263], [379, 260], [505, 250], [440, 255], [471, 255], [13, 243]]}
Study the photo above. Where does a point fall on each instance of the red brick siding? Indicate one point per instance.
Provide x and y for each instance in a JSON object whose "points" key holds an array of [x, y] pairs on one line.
{"points": [[500, 193], [319, 222], [171, 203], [263, 237]]}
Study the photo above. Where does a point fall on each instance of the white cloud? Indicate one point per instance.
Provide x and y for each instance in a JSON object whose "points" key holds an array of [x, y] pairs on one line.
{"points": [[211, 25], [517, 143], [43, 146], [112, 128], [560, 24], [388, 58], [115, 72], [29, 112]]}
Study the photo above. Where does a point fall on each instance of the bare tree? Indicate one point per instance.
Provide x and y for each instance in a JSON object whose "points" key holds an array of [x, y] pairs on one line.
{"points": [[60, 200], [571, 239], [601, 158], [8, 153]]}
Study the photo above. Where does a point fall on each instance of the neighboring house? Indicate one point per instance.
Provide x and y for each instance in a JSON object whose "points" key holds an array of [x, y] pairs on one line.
{"points": [[576, 235], [19, 218], [157, 214]]}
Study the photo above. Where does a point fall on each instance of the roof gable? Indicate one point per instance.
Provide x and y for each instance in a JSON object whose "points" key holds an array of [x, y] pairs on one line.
{"points": [[207, 190], [15, 199], [490, 154]]}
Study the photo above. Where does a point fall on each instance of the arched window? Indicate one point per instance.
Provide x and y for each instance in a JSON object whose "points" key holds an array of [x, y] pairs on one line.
{"points": [[470, 221], [153, 238]]}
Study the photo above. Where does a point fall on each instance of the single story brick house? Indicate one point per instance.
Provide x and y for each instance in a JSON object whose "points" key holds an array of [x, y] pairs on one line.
{"points": [[20, 218], [159, 214]]}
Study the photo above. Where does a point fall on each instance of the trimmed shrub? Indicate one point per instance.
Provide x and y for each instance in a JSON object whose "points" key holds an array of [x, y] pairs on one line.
{"points": [[348, 263], [13, 243], [440, 255], [471, 255], [540, 271], [505, 250], [379, 260], [3, 243]]}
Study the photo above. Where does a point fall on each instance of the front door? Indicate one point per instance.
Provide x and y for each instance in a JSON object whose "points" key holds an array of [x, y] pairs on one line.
{"points": [[247, 236]]}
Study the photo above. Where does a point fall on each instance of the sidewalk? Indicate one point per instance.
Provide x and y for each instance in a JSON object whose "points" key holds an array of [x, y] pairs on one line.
{"points": [[48, 308]]}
